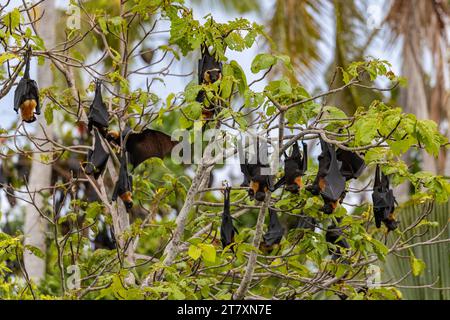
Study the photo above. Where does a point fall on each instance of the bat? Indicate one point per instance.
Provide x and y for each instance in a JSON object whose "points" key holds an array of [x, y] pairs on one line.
{"points": [[334, 235], [105, 239], [209, 71], [124, 185], [294, 168], [352, 164], [97, 158], [383, 202], [255, 178], [98, 114], [274, 233], [26, 96], [227, 229], [306, 222], [141, 146], [329, 182]]}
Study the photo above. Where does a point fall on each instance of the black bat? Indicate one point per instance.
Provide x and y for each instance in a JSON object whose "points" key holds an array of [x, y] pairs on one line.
{"points": [[227, 229], [335, 235], [98, 114], [97, 158], [306, 222], [274, 233], [141, 146], [294, 168], [26, 96], [352, 164], [105, 239], [329, 182], [383, 202], [255, 177], [124, 185], [209, 71]]}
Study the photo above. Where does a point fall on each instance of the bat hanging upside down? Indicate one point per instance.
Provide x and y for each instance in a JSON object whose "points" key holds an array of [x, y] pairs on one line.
{"points": [[254, 177], [227, 229], [383, 202], [124, 185], [329, 182], [209, 71], [294, 168], [26, 96]]}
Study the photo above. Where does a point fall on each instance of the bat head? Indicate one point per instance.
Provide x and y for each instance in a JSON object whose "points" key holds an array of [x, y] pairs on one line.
{"points": [[127, 199], [209, 68], [259, 185], [212, 75]]}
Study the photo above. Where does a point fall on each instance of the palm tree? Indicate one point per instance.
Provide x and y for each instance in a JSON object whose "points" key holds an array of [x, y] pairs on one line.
{"points": [[421, 26]]}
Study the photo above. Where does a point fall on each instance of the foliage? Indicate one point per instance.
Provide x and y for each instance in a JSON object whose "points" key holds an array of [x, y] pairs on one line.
{"points": [[301, 267]]}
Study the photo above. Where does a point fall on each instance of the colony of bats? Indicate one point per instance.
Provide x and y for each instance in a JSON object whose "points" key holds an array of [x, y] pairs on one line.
{"points": [[335, 166]]}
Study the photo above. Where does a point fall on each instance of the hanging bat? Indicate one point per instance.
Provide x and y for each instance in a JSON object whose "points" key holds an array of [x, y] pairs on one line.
{"points": [[294, 168], [141, 146], [26, 96], [105, 239], [334, 236], [257, 180], [98, 114], [352, 164], [124, 184], [209, 71], [97, 158], [383, 202], [227, 229], [329, 182], [274, 233], [306, 222]]}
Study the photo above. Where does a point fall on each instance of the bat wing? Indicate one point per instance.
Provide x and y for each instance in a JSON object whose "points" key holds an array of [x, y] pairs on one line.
{"points": [[19, 93], [97, 158], [279, 183], [124, 182], [334, 181], [98, 114], [306, 222], [227, 229], [149, 143], [352, 164], [200, 70], [33, 91], [304, 164], [334, 235], [275, 231]]}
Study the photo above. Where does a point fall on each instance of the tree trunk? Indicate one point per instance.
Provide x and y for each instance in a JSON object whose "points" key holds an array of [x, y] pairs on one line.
{"points": [[40, 174]]}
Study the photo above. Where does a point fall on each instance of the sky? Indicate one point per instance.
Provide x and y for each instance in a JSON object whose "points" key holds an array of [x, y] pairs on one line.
{"points": [[177, 84]]}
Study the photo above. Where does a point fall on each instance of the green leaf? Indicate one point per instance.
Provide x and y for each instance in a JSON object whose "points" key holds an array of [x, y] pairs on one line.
{"points": [[48, 114], [262, 61], [208, 252], [194, 252], [417, 266]]}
